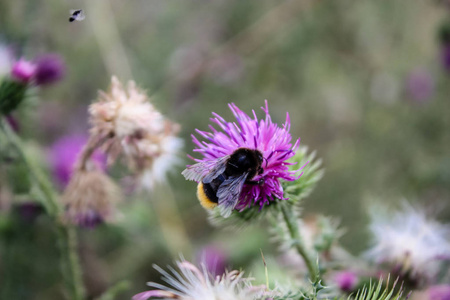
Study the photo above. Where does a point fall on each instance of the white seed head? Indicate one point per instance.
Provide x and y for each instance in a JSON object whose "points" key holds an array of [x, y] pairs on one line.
{"points": [[411, 240]]}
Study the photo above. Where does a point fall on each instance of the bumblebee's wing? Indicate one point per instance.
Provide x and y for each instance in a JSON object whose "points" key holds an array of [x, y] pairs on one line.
{"points": [[81, 16], [229, 192], [206, 171]]}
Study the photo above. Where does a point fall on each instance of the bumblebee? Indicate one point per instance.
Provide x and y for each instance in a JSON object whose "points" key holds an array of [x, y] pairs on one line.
{"points": [[220, 181], [76, 15]]}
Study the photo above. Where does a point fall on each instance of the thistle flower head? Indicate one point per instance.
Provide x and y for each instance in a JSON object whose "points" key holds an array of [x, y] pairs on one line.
{"points": [[271, 140], [191, 283], [90, 198], [346, 280], [410, 242], [49, 69], [125, 122], [23, 70]]}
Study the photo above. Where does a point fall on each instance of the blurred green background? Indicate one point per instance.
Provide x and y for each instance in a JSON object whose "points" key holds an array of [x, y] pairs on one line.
{"points": [[363, 81]]}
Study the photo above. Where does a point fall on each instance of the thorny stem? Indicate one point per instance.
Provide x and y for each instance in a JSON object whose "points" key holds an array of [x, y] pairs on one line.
{"points": [[66, 234], [292, 225]]}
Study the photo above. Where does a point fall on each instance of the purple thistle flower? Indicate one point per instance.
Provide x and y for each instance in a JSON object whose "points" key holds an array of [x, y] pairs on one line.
{"points": [[50, 68], [272, 141], [23, 70], [29, 211], [64, 153], [346, 280], [213, 259]]}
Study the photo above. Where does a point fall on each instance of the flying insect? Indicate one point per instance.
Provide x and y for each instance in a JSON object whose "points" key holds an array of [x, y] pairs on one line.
{"points": [[220, 181], [76, 14]]}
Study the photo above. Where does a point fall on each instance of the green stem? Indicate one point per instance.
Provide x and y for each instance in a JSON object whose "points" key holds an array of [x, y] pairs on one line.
{"points": [[66, 235], [292, 225]]}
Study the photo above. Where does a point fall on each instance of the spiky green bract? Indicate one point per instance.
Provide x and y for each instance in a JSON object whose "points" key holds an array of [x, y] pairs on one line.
{"points": [[294, 190], [312, 173], [316, 292], [327, 233], [11, 95], [378, 291]]}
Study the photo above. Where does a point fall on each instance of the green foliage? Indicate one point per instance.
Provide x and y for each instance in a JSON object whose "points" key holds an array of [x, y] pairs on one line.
{"points": [[376, 292], [312, 173], [11, 95], [327, 234], [379, 291], [313, 293]]}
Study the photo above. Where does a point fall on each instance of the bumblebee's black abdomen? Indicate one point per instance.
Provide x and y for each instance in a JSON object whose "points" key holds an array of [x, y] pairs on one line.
{"points": [[210, 193], [211, 188]]}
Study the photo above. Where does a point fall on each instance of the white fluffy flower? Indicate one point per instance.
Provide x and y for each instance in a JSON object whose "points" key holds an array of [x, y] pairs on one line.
{"points": [[190, 283], [168, 150], [409, 240]]}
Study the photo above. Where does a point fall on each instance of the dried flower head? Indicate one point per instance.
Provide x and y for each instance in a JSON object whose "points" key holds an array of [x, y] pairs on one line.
{"points": [[125, 122], [192, 283], [273, 143], [409, 242], [90, 198]]}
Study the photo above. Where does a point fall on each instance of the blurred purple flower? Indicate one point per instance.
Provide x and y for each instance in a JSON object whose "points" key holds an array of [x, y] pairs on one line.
{"points": [[13, 123], [439, 292], [273, 141], [89, 219], [445, 56], [50, 68], [214, 260], [29, 211], [420, 85], [64, 153], [346, 280], [23, 70]]}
